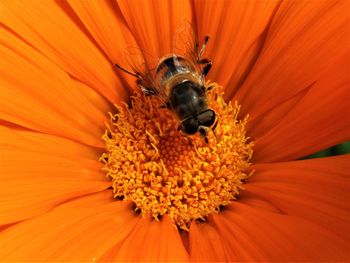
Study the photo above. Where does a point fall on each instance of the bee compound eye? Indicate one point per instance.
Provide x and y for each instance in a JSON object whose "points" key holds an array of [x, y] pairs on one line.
{"points": [[189, 126], [206, 118]]}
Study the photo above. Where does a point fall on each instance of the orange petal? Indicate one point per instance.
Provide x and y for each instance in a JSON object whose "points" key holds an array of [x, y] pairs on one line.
{"points": [[149, 242], [50, 29], [39, 95], [303, 40], [259, 235], [237, 30], [80, 230], [205, 243], [317, 190], [40, 171], [319, 120], [260, 125], [108, 28], [255, 234], [154, 23]]}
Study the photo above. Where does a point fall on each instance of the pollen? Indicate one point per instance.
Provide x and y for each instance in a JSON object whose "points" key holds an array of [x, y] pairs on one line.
{"points": [[165, 172]]}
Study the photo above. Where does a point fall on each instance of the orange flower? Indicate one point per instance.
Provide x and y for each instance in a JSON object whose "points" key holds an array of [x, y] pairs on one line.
{"points": [[286, 63]]}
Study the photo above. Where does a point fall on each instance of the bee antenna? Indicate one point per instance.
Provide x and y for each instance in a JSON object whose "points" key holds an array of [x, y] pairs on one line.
{"points": [[126, 71]]}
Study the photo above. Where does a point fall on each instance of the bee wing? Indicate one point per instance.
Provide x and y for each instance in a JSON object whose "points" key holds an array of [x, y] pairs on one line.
{"points": [[186, 44], [144, 65], [135, 58], [185, 41]]}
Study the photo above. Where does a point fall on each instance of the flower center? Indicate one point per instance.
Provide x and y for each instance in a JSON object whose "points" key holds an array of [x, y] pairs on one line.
{"points": [[165, 172]]}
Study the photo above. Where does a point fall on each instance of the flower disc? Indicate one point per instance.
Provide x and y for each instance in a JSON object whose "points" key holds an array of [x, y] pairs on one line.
{"points": [[165, 172]]}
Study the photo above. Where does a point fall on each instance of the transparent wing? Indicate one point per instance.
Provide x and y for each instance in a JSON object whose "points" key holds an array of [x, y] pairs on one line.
{"points": [[144, 64], [186, 44], [185, 41], [136, 61]]}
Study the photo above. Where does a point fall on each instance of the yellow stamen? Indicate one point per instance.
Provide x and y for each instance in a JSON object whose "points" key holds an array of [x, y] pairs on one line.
{"points": [[164, 171]]}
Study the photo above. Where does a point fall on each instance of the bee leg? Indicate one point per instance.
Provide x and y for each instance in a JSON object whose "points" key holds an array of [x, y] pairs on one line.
{"points": [[216, 138], [203, 132], [213, 128], [166, 105], [215, 124], [190, 141], [149, 92], [205, 42], [209, 88], [205, 89], [207, 65], [146, 90]]}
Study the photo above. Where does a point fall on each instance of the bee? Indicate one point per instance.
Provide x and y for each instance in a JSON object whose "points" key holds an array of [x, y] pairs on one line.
{"points": [[179, 80]]}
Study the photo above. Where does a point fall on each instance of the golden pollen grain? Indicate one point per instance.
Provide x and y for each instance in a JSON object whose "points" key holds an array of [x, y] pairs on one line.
{"points": [[165, 172]]}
